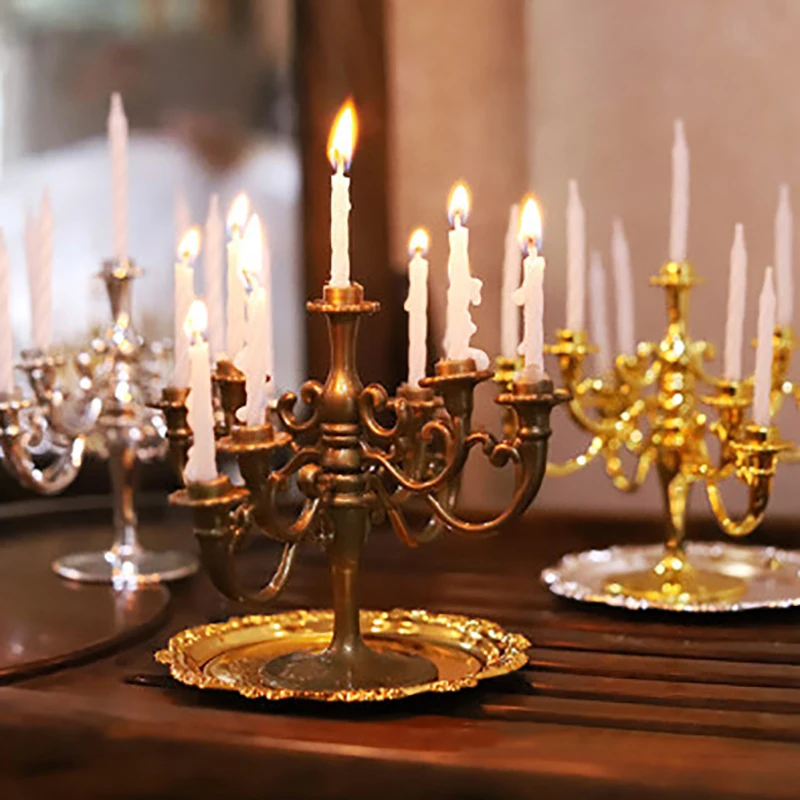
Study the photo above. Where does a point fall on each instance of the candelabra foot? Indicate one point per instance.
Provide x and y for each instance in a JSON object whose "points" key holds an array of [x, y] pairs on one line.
{"points": [[125, 570], [334, 670], [674, 581]]}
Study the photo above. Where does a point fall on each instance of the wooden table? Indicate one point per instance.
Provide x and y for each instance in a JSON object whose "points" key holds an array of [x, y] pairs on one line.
{"points": [[613, 704]]}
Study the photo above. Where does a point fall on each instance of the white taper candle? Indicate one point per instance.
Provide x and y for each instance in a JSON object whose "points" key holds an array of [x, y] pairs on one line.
{"points": [[766, 326], [118, 145], [42, 286], [213, 282], [783, 257], [576, 260], [6, 339], [679, 223], [341, 144], [623, 283], [737, 295], [509, 311], [237, 219], [417, 306], [599, 317], [188, 249]]}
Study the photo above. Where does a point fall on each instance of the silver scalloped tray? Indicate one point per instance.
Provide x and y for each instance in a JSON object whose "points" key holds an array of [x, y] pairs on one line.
{"points": [[772, 575]]}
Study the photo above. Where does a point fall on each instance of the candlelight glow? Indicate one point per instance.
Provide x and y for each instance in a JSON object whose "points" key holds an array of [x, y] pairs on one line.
{"points": [[237, 215], [458, 205], [196, 320], [530, 225], [189, 246], [343, 136], [251, 254], [419, 242]]}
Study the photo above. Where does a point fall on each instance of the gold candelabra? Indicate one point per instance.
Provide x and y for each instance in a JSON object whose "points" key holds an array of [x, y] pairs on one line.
{"points": [[649, 409], [352, 468]]}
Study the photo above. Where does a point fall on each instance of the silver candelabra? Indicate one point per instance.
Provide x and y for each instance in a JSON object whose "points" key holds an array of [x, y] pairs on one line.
{"points": [[103, 405]]}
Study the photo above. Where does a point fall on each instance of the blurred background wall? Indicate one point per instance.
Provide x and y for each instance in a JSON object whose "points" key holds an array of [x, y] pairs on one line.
{"points": [[525, 94]]}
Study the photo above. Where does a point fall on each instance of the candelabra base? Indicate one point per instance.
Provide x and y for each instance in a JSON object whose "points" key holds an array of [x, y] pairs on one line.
{"points": [[336, 670], [675, 581], [131, 569]]}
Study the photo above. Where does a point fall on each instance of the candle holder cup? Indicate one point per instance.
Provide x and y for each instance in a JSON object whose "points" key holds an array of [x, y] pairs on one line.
{"points": [[105, 410], [647, 410], [351, 467]]}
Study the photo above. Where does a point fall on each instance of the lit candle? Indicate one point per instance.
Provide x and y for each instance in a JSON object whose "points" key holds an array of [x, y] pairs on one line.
{"points": [[252, 360], [679, 224], [42, 284], [201, 463], [237, 218], [188, 248], [463, 290], [183, 216], [213, 277], [118, 145], [417, 306], [783, 257], [576, 260], [341, 143], [531, 294], [599, 308], [509, 312], [737, 288], [6, 341], [766, 326], [623, 281], [268, 366]]}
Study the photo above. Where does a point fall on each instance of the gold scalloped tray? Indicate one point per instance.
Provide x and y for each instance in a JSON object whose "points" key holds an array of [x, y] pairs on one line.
{"points": [[229, 655]]}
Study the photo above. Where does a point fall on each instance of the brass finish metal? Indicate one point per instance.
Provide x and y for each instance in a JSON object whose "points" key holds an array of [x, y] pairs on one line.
{"points": [[648, 411], [351, 468], [239, 655]]}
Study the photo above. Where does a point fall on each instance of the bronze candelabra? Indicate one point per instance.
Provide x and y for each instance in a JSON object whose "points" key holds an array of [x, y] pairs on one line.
{"points": [[352, 468], [648, 408]]}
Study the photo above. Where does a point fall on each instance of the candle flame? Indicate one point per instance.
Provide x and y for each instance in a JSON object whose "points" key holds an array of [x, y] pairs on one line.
{"points": [[530, 225], [458, 204], [251, 254], [343, 136], [419, 242], [189, 246], [196, 320], [237, 214]]}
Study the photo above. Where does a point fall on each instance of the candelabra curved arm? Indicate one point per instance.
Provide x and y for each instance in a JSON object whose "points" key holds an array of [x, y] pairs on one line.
{"points": [[373, 400], [756, 455], [222, 520], [572, 465], [66, 457], [614, 468], [635, 371], [310, 393]]}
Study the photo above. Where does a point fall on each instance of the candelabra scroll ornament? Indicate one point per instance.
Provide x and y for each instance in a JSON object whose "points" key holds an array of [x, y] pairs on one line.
{"points": [[45, 437], [351, 463], [648, 410]]}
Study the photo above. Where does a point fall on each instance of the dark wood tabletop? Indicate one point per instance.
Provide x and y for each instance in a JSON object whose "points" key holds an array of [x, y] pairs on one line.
{"points": [[613, 703]]}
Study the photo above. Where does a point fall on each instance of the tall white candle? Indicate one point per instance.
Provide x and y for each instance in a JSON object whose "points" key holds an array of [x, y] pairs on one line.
{"points": [[341, 144], [269, 331], [463, 290], [509, 311], [766, 326], [6, 340], [623, 282], [679, 224], [737, 293], [213, 285], [42, 285], [32, 256], [237, 219], [253, 359], [182, 216], [531, 294], [783, 257], [201, 464], [599, 317], [118, 145], [188, 249], [576, 260], [417, 306]]}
